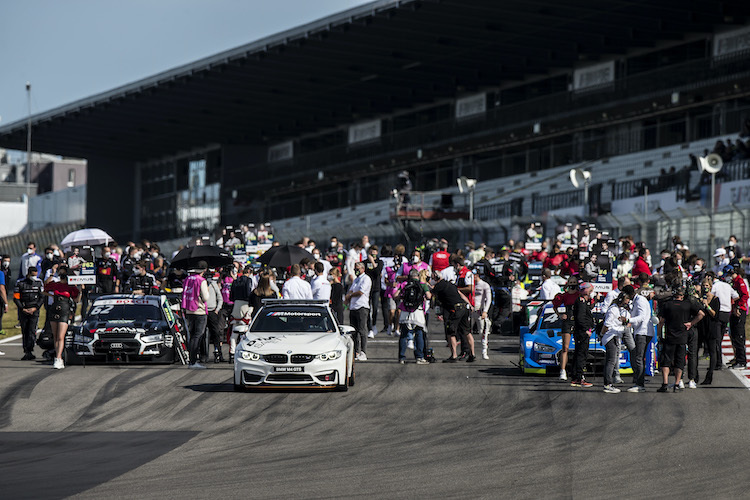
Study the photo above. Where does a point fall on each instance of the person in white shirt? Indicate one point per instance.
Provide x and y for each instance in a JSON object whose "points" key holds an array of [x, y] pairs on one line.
{"points": [[549, 288], [616, 321], [641, 317], [358, 299], [295, 287], [480, 313], [326, 265], [321, 287], [726, 294]]}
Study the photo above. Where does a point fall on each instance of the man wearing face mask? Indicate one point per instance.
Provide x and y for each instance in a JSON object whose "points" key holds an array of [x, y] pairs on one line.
{"points": [[75, 261], [326, 265], [49, 260], [358, 299], [29, 297], [106, 273], [373, 268], [141, 282], [30, 258]]}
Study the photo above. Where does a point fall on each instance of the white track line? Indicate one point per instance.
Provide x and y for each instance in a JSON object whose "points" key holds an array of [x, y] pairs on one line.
{"points": [[10, 339], [727, 351]]}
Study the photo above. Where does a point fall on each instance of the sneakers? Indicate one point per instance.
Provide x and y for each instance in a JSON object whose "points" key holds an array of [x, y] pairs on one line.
{"points": [[677, 388], [58, 364], [663, 388], [618, 380], [563, 375], [485, 355], [580, 383], [422, 361], [362, 356], [637, 388], [681, 385], [611, 389], [28, 357], [471, 358], [372, 333], [738, 366], [402, 361], [389, 331], [692, 385], [450, 360], [196, 366], [2, 353], [410, 344]]}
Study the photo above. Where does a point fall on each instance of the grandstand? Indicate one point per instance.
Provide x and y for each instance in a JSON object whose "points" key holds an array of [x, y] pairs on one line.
{"points": [[310, 128]]}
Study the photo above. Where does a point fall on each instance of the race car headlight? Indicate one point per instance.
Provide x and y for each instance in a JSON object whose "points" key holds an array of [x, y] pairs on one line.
{"points": [[543, 347], [149, 339], [249, 356], [329, 356]]}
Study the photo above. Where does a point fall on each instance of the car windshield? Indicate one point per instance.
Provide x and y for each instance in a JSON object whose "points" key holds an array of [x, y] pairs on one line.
{"points": [[550, 321], [124, 312], [296, 320]]}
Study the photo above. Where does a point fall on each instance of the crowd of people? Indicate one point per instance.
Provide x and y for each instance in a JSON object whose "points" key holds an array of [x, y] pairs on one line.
{"points": [[401, 288]]}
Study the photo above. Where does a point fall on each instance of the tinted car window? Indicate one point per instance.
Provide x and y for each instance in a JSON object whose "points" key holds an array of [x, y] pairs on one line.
{"points": [[133, 312], [293, 320]]}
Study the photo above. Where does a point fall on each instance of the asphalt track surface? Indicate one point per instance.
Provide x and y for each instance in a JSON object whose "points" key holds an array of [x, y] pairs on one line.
{"points": [[459, 430]]}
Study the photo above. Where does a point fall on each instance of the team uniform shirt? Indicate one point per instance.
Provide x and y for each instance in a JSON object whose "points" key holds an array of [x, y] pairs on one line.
{"points": [[321, 288], [106, 274], [28, 293], [449, 274], [73, 261], [465, 279], [296, 288], [482, 296], [406, 268], [145, 283], [390, 273], [448, 295], [362, 283], [640, 316], [549, 290], [741, 289]]}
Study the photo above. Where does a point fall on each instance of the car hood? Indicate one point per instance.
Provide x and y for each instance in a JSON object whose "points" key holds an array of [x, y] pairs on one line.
{"points": [[303, 343]]}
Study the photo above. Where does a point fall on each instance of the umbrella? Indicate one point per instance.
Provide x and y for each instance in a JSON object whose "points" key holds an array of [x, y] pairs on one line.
{"points": [[89, 236], [284, 256], [188, 258]]}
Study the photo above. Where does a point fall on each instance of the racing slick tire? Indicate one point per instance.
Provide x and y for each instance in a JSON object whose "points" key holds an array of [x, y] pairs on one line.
{"points": [[70, 358]]}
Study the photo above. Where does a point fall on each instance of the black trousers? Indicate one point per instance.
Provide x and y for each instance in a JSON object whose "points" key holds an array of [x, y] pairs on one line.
{"points": [[723, 322], [358, 319], [372, 319], [581, 353], [215, 331], [692, 355], [714, 355], [384, 308], [28, 329], [196, 326], [737, 334]]}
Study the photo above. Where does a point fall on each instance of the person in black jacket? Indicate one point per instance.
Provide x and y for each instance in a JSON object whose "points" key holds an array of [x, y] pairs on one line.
{"points": [[29, 297], [141, 282], [583, 326]]}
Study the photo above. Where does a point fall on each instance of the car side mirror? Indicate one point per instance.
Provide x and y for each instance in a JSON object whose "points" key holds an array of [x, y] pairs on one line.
{"points": [[346, 329], [550, 333]]}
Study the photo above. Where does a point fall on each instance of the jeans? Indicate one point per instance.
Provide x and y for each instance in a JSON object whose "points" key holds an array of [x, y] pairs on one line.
{"points": [[416, 334], [196, 326], [737, 333], [358, 319], [638, 361], [629, 341], [581, 353], [612, 357], [28, 329]]}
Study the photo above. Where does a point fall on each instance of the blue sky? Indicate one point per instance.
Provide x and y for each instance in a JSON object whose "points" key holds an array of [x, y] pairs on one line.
{"points": [[72, 49]]}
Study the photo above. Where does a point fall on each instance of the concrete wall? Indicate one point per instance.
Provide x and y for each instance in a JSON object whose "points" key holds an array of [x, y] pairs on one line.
{"points": [[67, 205], [12, 217]]}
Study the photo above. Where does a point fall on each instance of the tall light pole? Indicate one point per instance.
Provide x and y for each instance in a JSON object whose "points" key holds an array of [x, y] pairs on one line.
{"points": [[28, 155]]}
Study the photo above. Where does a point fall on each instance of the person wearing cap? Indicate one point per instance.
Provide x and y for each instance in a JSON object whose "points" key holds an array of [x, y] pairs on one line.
{"points": [[737, 320], [722, 261], [194, 298], [676, 318], [583, 326]]}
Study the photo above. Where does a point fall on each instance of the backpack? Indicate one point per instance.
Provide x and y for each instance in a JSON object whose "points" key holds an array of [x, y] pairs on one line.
{"points": [[412, 296]]}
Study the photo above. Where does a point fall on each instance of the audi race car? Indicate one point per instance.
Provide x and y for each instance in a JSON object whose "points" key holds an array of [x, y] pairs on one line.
{"points": [[295, 344], [541, 344], [128, 328]]}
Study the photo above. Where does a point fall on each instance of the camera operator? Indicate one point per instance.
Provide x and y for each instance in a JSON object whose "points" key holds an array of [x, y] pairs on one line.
{"points": [[616, 322]]}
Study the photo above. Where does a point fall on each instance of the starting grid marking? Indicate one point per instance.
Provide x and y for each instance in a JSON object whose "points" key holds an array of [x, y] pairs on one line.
{"points": [[728, 353]]}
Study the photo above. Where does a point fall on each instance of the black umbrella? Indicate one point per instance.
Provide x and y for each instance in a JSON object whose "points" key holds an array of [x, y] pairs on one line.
{"points": [[284, 256], [188, 258]]}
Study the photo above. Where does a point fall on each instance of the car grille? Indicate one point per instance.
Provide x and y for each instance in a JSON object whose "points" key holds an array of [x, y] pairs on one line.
{"points": [[289, 377], [278, 359], [129, 346], [302, 358]]}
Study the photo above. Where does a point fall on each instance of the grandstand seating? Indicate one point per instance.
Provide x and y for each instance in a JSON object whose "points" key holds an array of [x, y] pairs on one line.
{"points": [[636, 166]]}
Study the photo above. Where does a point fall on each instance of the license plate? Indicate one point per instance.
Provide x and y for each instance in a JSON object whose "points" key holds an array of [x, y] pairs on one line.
{"points": [[115, 345], [289, 368]]}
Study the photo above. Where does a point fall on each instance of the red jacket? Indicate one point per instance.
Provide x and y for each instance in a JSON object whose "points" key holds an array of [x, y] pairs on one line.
{"points": [[640, 266], [739, 286]]}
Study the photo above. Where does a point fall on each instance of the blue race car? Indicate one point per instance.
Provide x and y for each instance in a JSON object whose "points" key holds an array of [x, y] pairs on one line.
{"points": [[541, 343]]}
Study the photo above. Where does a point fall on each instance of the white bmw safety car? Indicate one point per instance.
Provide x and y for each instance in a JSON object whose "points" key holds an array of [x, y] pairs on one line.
{"points": [[295, 344]]}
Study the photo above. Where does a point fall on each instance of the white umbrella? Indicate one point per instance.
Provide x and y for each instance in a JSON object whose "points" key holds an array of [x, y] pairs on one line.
{"points": [[89, 236]]}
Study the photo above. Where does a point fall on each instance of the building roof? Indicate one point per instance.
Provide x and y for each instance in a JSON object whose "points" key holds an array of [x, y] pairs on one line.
{"points": [[374, 59]]}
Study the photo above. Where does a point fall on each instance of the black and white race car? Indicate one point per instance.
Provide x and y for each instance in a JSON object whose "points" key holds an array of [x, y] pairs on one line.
{"points": [[128, 328]]}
